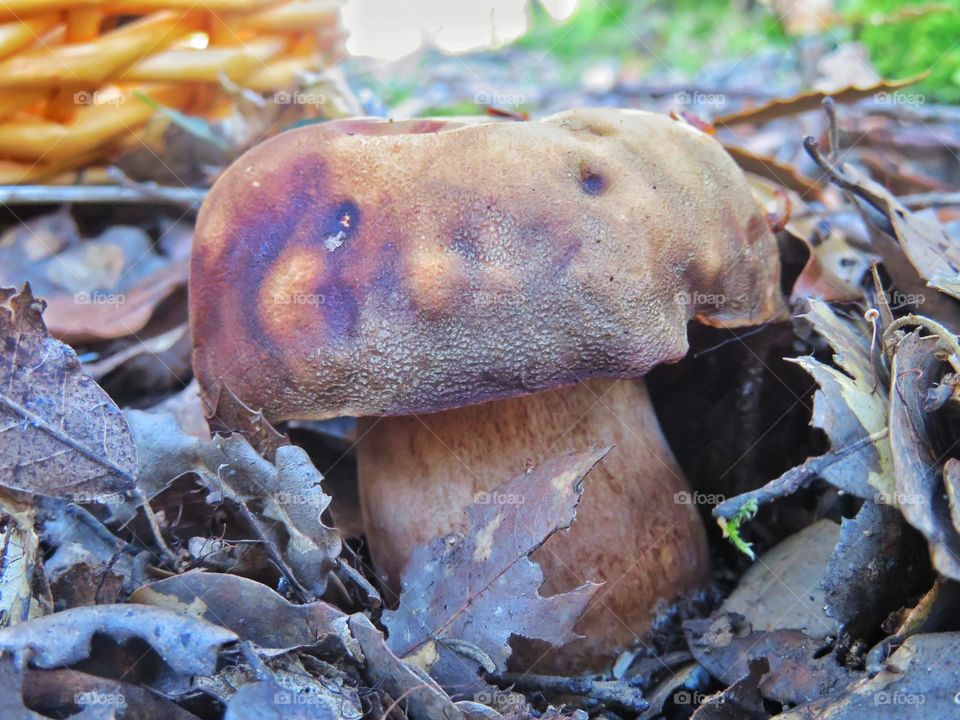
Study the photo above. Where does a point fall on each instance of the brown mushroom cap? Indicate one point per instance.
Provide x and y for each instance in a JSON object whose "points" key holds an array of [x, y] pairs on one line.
{"points": [[363, 268]]}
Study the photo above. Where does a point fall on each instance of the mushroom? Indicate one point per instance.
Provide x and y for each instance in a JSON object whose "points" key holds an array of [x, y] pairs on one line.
{"points": [[486, 296]]}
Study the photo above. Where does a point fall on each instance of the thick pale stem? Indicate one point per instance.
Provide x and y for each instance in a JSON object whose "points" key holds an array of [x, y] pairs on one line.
{"points": [[636, 530]]}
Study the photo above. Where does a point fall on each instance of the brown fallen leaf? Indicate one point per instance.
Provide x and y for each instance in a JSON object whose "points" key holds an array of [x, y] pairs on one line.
{"points": [[283, 501], [464, 596], [99, 288], [835, 269], [917, 464], [918, 681], [772, 169], [740, 701], [190, 646], [804, 102], [851, 407], [55, 691], [62, 435], [253, 611], [799, 671], [270, 699], [413, 689]]}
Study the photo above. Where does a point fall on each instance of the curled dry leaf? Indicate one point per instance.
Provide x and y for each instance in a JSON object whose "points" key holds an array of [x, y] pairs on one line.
{"points": [[254, 612], [19, 554], [415, 691], [806, 102], [851, 407], [56, 691], [835, 269], [464, 596], [920, 489], [99, 288], [799, 671], [285, 499], [270, 699], [919, 680], [772, 169], [61, 434], [188, 645], [863, 581], [740, 701]]}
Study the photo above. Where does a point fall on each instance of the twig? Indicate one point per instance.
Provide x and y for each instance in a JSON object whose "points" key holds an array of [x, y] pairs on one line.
{"points": [[143, 193], [274, 553], [165, 552], [830, 108], [605, 692], [794, 479]]}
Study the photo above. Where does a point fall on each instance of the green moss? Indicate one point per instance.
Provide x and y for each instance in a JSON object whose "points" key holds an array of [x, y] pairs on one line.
{"points": [[731, 528]]}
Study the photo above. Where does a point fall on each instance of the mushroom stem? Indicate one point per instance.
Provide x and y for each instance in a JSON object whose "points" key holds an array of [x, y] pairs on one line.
{"points": [[636, 530]]}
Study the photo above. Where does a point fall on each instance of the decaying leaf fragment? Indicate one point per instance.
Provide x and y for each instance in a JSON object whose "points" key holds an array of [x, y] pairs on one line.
{"points": [[283, 500], [918, 680], [253, 611], [917, 463], [464, 596], [188, 645], [851, 406], [60, 433]]}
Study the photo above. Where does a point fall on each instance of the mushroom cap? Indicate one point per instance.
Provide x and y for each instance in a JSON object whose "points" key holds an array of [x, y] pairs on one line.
{"points": [[363, 267]]}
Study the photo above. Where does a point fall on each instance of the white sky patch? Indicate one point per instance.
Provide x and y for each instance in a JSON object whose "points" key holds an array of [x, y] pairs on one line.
{"points": [[391, 29]]}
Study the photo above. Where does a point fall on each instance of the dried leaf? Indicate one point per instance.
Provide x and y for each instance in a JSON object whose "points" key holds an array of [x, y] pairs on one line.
{"points": [[918, 680], [269, 699], [189, 646], [864, 579], [917, 465], [805, 102], [780, 592], [253, 611], [482, 588], [415, 691], [740, 701], [835, 268], [799, 671], [285, 499], [62, 435], [772, 169], [19, 555]]}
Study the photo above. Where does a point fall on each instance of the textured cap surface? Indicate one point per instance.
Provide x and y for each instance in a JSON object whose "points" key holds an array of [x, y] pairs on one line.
{"points": [[362, 267]]}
